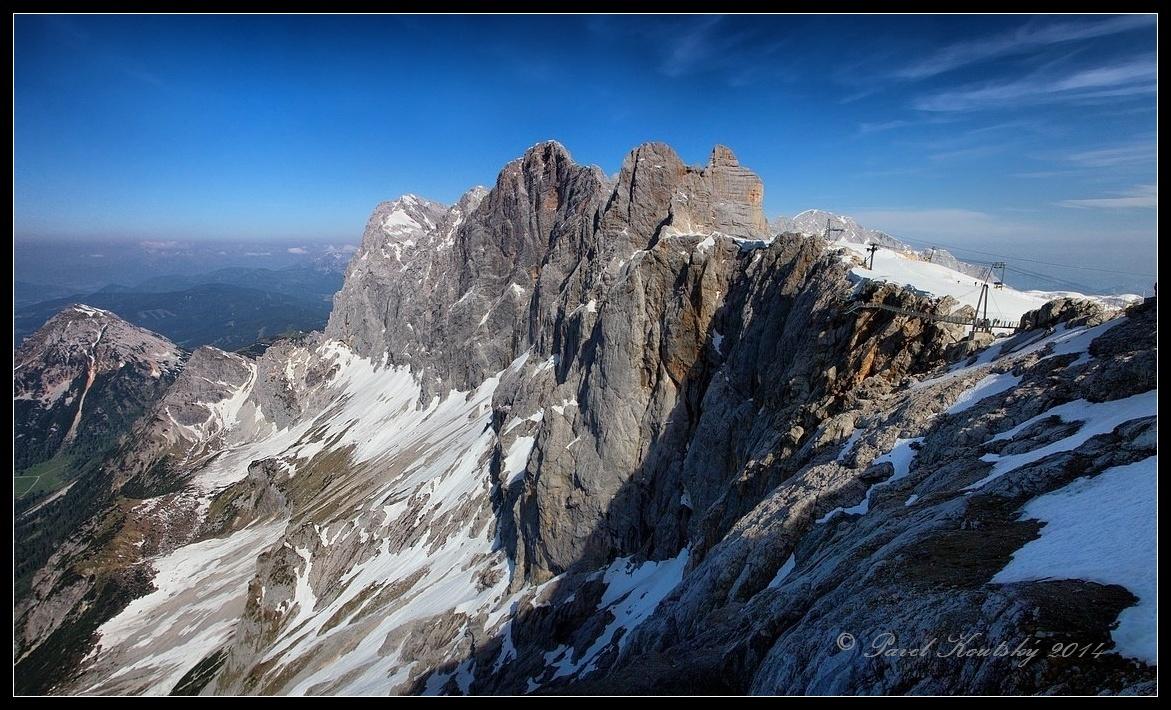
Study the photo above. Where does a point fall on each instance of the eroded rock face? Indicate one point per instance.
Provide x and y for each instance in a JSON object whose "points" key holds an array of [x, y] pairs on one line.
{"points": [[449, 294], [527, 267], [458, 294], [704, 359], [896, 549], [656, 190]]}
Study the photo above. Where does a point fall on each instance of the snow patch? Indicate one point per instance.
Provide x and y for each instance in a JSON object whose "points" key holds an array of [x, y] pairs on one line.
{"points": [[901, 457], [517, 458], [783, 572], [1101, 529], [849, 445], [1098, 418], [633, 591], [987, 387], [202, 585], [1005, 304]]}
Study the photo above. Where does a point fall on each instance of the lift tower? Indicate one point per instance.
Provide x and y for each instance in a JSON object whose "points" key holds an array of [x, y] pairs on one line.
{"points": [[981, 322], [829, 231]]}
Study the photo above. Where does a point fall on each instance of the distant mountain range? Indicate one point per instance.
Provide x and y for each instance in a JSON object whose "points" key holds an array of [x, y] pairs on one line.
{"points": [[305, 282], [229, 308]]}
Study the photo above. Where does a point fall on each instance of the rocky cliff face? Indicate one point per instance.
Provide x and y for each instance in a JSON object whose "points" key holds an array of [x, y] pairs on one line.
{"points": [[571, 435], [917, 532]]}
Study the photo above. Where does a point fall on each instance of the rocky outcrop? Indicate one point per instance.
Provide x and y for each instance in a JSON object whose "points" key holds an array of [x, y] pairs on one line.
{"points": [[189, 424], [1072, 311], [722, 356], [890, 537], [657, 191], [458, 295], [452, 302], [917, 563]]}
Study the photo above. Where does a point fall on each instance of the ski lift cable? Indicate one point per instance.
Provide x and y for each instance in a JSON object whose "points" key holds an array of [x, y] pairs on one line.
{"points": [[1000, 314], [1060, 282]]}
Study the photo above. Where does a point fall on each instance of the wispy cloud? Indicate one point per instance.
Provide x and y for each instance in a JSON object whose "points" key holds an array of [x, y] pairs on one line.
{"points": [[870, 128], [1024, 39], [1140, 197], [1126, 162], [891, 172], [1127, 154], [297, 250], [1045, 174], [742, 53], [99, 52], [978, 151], [970, 141], [1136, 77], [691, 48], [880, 127], [942, 223], [160, 245]]}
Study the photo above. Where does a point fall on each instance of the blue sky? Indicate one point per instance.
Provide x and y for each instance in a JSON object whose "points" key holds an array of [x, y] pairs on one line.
{"points": [[1031, 136]]}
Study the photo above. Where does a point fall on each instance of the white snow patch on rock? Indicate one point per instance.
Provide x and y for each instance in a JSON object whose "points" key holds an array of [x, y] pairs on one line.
{"points": [[1098, 418], [987, 387], [1101, 529], [901, 457], [517, 458], [783, 572]]}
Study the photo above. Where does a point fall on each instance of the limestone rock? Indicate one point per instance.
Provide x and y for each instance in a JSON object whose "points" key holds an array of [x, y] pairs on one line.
{"points": [[1073, 311]]}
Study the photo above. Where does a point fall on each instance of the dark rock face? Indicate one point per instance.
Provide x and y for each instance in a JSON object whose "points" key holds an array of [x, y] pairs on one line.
{"points": [[461, 292], [82, 379], [708, 360], [1072, 311], [453, 299], [524, 268], [761, 609]]}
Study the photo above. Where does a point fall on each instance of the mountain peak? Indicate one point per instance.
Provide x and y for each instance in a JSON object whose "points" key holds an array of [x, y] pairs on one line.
{"points": [[81, 373], [722, 156], [406, 216], [546, 151], [88, 311], [722, 196]]}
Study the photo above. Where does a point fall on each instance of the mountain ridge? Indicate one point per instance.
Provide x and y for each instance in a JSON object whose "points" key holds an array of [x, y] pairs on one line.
{"points": [[813, 222], [572, 423]]}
